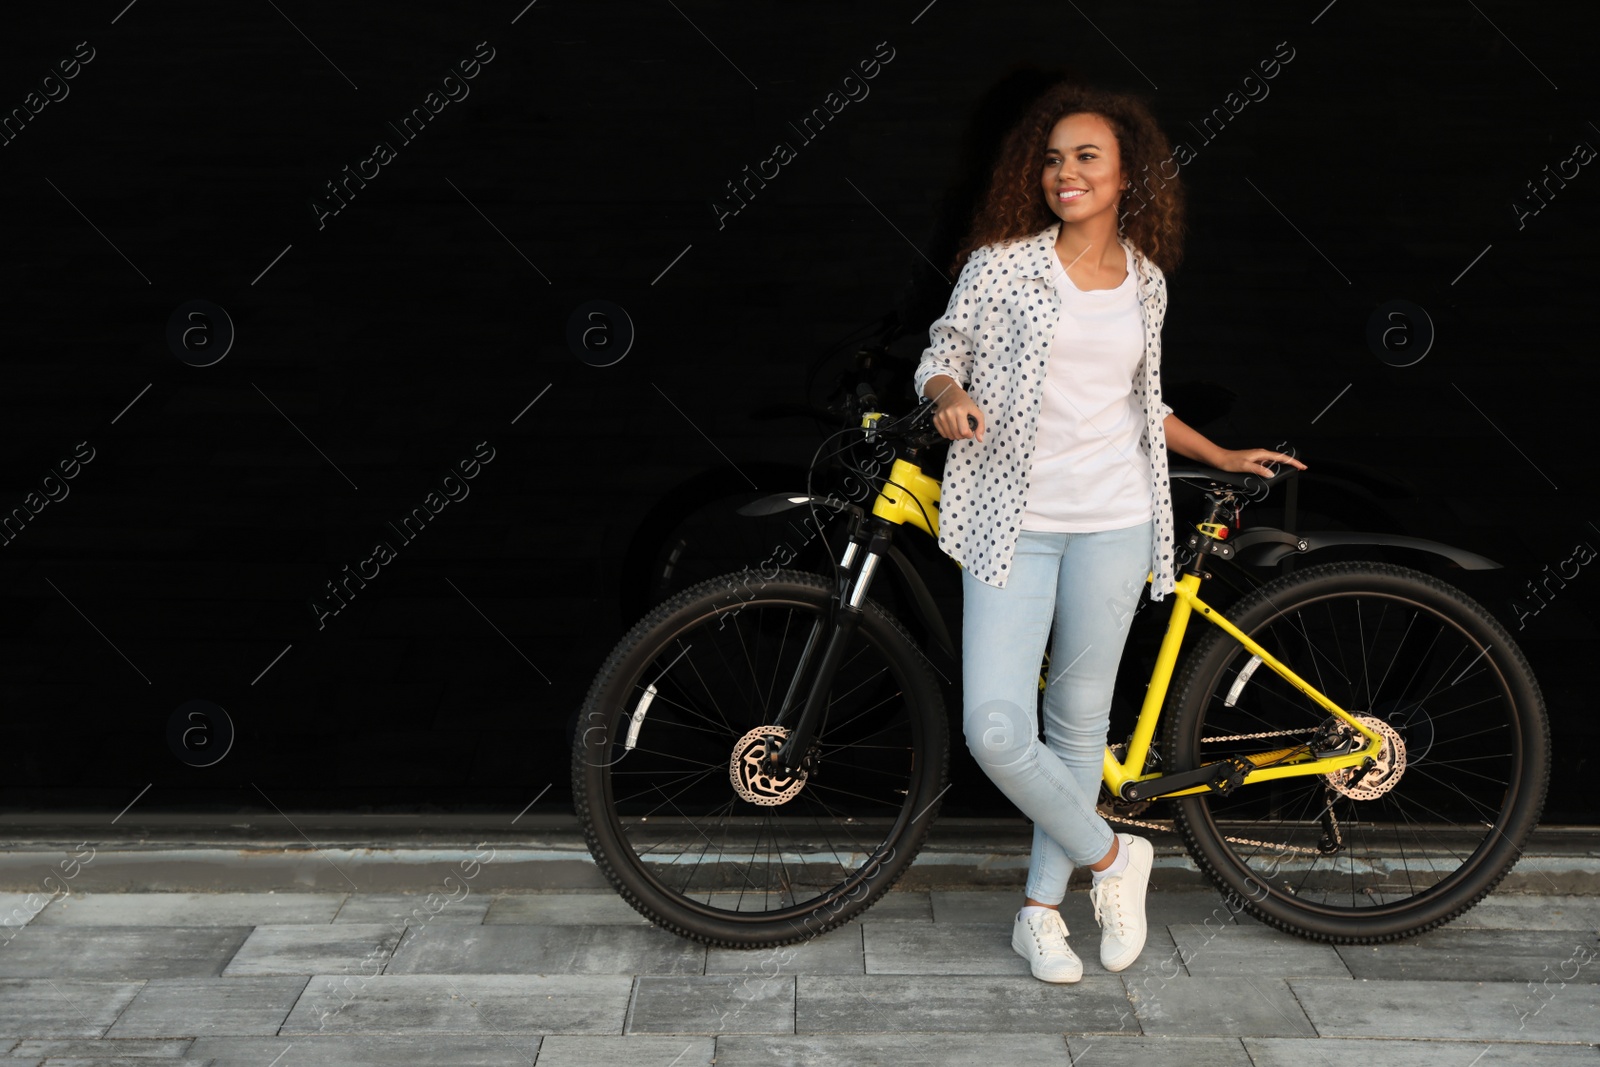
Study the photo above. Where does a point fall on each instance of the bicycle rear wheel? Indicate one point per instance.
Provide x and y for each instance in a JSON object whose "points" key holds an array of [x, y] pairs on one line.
{"points": [[1363, 857], [674, 805]]}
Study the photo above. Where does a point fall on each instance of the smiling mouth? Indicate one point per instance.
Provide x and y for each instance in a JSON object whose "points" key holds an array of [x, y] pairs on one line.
{"points": [[1068, 195]]}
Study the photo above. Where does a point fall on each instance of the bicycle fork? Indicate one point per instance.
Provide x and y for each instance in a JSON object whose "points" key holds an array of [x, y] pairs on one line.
{"points": [[862, 556]]}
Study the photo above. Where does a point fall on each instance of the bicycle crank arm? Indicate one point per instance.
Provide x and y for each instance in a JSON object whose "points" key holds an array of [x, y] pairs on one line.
{"points": [[1227, 775], [1222, 777], [1216, 776]]}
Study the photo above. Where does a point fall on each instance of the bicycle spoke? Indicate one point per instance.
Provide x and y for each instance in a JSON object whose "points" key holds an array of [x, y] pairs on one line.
{"points": [[1412, 839], [690, 833]]}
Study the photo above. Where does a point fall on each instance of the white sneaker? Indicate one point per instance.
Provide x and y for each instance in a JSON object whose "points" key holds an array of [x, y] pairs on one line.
{"points": [[1041, 939], [1119, 905]]}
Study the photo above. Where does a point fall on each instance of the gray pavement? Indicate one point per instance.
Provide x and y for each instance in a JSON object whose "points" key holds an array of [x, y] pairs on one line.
{"points": [[95, 973], [575, 977]]}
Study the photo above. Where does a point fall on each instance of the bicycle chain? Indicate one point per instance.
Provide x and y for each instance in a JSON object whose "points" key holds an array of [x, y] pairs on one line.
{"points": [[1252, 737], [1333, 818], [1168, 828]]}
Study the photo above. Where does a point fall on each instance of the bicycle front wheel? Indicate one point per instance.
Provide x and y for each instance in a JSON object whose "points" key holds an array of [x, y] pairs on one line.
{"points": [[676, 806], [1356, 856]]}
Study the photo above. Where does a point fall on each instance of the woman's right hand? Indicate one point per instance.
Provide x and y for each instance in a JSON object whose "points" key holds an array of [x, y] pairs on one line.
{"points": [[956, 416]]}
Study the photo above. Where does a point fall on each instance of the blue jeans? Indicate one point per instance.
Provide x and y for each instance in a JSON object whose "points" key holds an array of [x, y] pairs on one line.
{"points": [[1089, 584]]}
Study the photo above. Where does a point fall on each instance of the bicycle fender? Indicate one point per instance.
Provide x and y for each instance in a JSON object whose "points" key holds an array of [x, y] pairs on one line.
{"points": [[921, 599], [1316, 539], [772, 505]]}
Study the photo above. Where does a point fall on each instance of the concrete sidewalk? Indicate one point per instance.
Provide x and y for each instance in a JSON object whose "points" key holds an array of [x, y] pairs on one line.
{"points": [[927, 976], [462, 972]]}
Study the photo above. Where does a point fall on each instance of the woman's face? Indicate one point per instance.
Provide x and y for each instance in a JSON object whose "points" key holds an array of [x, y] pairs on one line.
{"points": [[1082, 174]]}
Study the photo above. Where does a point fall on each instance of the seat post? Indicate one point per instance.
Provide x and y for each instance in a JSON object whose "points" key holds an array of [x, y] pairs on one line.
{"points": [[1196, 565]]}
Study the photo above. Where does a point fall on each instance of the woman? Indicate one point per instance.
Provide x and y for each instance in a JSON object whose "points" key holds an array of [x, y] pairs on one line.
{"points": [[1045, 374]]}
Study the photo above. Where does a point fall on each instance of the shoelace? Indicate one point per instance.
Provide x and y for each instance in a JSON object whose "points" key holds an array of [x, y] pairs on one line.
{"points": [[1107, 905], [1036, 926]]}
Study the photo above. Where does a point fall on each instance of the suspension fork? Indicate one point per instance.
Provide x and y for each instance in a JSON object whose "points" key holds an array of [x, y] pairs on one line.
{"points": [[862, 556], [857, 540]]}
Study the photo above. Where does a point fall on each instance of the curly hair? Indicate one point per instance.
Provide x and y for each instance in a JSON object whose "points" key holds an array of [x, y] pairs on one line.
{"points": [[1150, 214]]}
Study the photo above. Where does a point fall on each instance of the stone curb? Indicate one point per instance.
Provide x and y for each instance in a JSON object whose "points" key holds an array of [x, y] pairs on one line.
{"points": [[1558, 861]]}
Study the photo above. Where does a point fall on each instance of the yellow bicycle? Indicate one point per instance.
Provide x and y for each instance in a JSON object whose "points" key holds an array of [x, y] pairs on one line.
{"points": [[1356, 753]]}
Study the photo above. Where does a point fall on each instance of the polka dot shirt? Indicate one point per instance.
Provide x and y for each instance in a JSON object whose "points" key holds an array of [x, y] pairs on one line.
{"points": [[994, 339]]}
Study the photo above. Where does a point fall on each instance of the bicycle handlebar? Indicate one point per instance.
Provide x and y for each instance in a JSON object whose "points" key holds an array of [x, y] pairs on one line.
{"points": [[1212, 481]]}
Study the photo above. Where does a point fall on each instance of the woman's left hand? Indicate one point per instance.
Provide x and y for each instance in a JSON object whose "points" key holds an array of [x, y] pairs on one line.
{"points": [[1254, 461]]}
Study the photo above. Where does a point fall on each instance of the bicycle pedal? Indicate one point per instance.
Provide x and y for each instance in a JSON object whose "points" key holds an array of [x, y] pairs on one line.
{"points": [[1231, 778]]}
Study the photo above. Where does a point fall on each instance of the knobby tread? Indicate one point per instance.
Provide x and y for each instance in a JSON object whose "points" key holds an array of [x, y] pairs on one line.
{"points": [[1283, 589], [705, 597]]}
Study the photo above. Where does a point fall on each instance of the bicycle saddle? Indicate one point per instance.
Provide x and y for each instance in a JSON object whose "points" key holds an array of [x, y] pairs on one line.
{"points": [[1215, 478]]}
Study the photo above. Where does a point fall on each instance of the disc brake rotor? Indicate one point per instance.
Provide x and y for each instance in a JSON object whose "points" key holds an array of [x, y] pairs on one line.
{"points": [[1389, 765], [751, 775]]}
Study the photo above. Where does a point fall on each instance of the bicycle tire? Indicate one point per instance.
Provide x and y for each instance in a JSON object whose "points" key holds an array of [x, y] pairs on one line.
{"points": [[1445, 825], [715, 660]]}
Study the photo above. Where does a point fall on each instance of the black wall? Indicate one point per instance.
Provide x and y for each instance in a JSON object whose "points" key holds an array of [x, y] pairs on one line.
{"points": [[374, 348]]}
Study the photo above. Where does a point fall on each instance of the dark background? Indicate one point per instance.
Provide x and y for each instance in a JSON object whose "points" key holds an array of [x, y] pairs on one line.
{"points": [[375, 352]]}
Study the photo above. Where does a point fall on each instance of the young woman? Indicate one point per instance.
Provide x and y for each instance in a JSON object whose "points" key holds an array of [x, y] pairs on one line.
{"points": [[1045, 373]]}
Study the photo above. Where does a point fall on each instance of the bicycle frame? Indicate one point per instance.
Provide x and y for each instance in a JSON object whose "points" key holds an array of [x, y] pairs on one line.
{"points": [[911, 497], [1118, 774]]}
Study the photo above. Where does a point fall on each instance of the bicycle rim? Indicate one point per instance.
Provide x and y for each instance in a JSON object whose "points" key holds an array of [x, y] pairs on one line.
{"points": [[680, 816], [1417, 839]]}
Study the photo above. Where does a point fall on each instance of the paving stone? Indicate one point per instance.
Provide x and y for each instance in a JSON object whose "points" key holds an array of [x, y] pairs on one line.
{"points": [[1259, 951], [889, 1004], [1194, 1007], [942, 948], [993, 906], [462, 1004], [412, 909], [124, 1048], [1481, 956], [713, 1004], [18, 909], [564, 909], [899, 906], [897, 1050], [1170, 907], [128, 953], [514, 949], [1462, 1011], [893, 909], [1288, 1052], [62, 1007], [343, 948], [1120, 1051], [190, 1007], [985, 948], [189, 909], [1161, 960], [564, 1051], [968, 906], [1528, 912], [836, 952], [368, 1050]]}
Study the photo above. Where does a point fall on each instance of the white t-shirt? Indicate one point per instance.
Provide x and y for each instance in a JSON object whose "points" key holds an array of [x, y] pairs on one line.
{"points": [[1089, 472]]}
